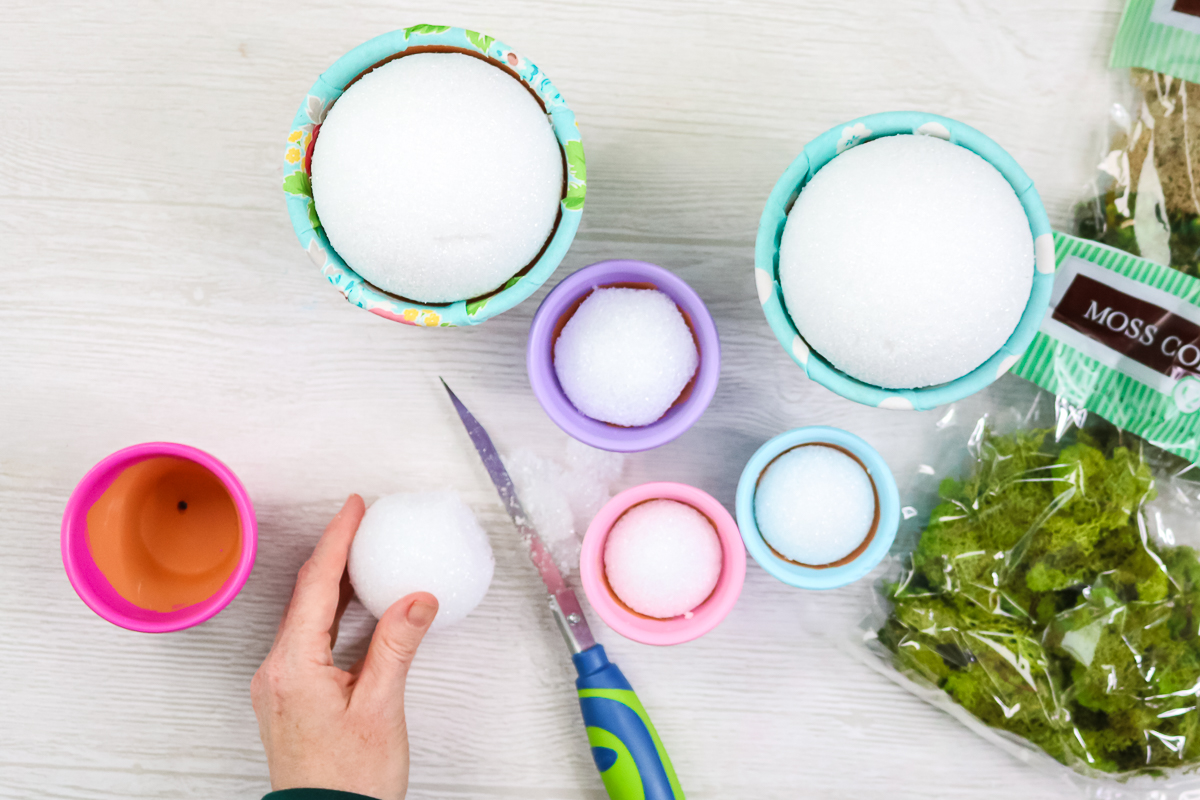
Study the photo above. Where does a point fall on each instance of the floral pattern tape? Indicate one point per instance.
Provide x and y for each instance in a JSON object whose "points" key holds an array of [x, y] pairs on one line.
{"points": [[297, 186]]}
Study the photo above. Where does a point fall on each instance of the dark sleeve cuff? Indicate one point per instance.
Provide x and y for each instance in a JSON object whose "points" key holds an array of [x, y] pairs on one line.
{"points": [[315, 794]]}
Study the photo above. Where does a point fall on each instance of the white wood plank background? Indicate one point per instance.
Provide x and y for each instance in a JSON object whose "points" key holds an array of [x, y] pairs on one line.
{"points": [[152, 289]]}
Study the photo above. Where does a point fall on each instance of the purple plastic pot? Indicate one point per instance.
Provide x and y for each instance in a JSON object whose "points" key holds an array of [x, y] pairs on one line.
{"points": [[558, 307]]}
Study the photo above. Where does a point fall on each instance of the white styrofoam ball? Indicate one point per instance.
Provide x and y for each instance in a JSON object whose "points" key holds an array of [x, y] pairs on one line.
{"points": [[815, 505], [663, 558], [421, 542], [625, 356], [437, 177], [906, 261]]}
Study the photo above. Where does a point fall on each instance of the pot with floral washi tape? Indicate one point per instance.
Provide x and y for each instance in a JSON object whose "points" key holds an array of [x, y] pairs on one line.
{"points": [[297, 183], [819, 152]]}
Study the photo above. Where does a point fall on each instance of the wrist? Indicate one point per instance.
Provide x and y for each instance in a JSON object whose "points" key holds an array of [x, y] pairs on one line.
{"points": [[315, 794]]}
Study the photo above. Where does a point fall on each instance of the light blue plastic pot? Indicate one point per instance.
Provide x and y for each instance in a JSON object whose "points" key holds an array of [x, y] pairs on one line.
{"points": [[821, 151], [298, 188], [859, 563]]}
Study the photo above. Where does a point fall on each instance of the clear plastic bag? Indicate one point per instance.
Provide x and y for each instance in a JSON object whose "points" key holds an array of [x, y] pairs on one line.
{"points": [[1144, 199], [1052, 600]]}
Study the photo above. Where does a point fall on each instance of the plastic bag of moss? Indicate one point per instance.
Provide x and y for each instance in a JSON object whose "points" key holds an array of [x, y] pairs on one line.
{"points": [[1050, 599], [1145, 198]]}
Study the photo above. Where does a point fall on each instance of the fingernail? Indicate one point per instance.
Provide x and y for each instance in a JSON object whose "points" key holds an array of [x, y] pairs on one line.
{"points": [[421, 614]]}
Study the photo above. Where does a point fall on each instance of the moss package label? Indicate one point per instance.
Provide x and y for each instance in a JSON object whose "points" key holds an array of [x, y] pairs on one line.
{"points": [[1160, 35], [1037, 602], [1122, 340]]}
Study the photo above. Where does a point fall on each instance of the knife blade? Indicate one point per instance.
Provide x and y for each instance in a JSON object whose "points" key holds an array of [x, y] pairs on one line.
{"points": [[563, 602], [631, 759]]}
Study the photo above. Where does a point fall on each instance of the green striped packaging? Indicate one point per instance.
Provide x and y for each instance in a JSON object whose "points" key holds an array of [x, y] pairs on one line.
{"points": [[1162, 35], [1122, 339]]}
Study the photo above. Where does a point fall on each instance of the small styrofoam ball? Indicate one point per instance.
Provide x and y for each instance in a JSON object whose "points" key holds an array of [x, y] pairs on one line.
{"points": [[662, 558], [814, 504], [421, 542], [625, 356], [906, 261], [437, 177]]}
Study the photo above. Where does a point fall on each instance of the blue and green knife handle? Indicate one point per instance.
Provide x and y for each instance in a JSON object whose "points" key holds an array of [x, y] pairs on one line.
{"points": [[632, 761]]}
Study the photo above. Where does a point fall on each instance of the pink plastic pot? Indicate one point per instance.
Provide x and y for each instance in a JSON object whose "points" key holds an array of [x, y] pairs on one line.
{"points": [[91, 585], [649, 630]]}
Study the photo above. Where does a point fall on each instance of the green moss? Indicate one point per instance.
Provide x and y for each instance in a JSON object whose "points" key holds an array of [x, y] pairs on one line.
{"points": [[1101, 221], [1036, 603]]}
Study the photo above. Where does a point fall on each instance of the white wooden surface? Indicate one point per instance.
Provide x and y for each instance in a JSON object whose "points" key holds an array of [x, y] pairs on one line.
{"points": [[152, 289]]}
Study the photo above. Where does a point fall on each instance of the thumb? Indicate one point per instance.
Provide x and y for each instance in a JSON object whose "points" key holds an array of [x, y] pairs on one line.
{"points": [[394, 644]]}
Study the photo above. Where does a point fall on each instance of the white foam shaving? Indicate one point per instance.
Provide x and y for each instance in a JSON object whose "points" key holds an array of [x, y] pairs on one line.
{"points": [[561, 496]]}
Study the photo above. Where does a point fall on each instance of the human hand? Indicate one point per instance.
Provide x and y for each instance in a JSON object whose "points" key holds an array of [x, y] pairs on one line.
{"points": [[323, 727]]}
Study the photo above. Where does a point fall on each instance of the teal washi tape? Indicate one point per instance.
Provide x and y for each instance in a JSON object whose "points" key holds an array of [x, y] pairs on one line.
{"points": [[819, 152]]}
